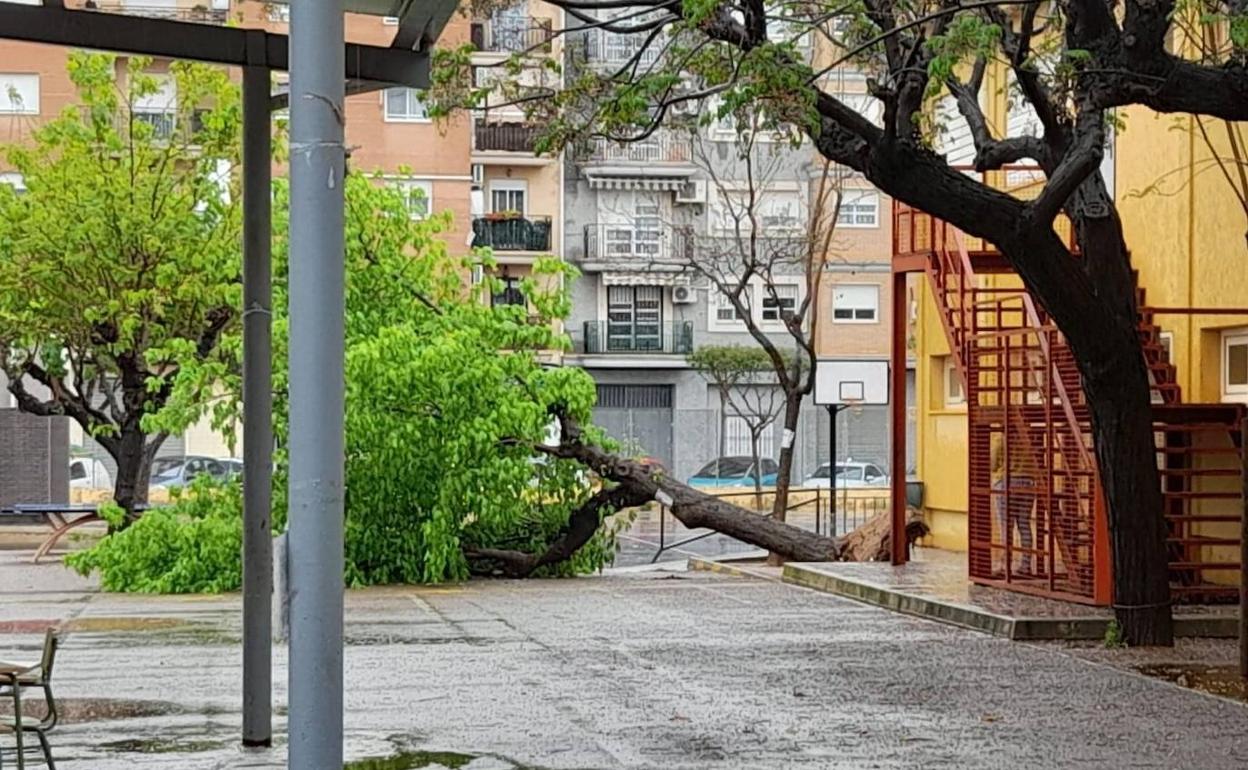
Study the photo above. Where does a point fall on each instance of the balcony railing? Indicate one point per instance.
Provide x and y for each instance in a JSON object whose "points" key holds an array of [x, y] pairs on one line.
{"points": [[614, 49], [674, 338], [195, 12], [504, 137], [637, 242], [659, 147], [512, 233], [511, 37]]}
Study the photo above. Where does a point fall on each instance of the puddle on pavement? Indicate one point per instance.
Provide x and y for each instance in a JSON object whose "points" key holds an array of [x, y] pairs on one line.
{"points": [[1215, 680], [161, 746], [89, 710], [413, 760]]}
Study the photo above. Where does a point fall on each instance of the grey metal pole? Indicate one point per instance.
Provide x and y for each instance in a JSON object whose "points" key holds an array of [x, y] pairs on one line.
{"points": [[316, 384], [257, 412]]}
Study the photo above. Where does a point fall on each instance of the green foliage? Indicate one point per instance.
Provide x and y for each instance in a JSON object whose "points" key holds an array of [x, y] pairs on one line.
{"points": [[1114, 638], [967, 37], [730, 363], [446, 400], [122, 256], [193, 545]]}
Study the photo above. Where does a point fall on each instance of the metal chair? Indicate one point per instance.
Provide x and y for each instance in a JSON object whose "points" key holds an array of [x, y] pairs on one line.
{"points": [[16, 678]]}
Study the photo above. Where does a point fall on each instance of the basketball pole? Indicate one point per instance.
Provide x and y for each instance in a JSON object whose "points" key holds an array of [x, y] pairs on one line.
{"points": [[833, 411]]}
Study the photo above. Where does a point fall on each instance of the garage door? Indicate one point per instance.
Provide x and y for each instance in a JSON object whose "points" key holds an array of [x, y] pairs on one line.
{"points": [[639, 417]]}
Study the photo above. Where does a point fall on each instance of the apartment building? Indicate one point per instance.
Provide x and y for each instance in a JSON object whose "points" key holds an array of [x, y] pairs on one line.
{"points": [[636, 214]]}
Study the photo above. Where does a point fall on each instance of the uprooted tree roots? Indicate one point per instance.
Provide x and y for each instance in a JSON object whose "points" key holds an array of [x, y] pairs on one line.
{"points": [[632, 484]]}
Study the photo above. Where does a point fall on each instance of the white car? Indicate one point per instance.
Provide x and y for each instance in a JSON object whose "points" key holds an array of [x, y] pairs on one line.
{"points": [[88, 473], [849, 475]]}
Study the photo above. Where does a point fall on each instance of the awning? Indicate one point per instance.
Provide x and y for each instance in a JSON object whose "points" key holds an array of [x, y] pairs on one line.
{"points": [[646, 278], [636, 183]]}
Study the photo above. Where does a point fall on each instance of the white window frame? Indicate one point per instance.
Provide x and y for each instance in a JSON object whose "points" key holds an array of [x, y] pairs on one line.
{"points": [[719, 303], [29, 102], [510, 185], [388, 117], [781, 290], [954, 394], [406, 186], [854, 212], [854, 308], [1237, 392]]}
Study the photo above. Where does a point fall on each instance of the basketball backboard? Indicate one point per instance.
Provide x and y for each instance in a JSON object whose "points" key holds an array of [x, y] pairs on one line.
{"points": [[844, 381]]}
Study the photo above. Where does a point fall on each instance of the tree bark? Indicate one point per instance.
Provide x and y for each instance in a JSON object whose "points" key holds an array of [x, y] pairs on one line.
{"points": [[133, 455]]}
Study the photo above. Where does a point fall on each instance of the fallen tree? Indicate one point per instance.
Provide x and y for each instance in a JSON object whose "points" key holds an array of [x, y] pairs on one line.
{"points": [[633, 484]]}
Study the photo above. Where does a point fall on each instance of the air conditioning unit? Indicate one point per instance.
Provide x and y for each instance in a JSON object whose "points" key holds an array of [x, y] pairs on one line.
{"points": [[478, 174], [692, 192], [684, 295]]}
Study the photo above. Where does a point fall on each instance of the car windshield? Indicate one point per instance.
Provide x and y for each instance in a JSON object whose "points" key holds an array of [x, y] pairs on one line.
{"points": [[170, 473], [822, 472], [726, 467], [849, 472], [162, 465]]}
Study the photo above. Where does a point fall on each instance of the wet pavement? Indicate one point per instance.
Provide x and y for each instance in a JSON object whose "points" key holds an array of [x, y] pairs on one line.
{"points": [[671, 671]]}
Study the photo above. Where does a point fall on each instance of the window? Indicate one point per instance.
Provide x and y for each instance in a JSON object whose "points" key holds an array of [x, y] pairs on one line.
{"points": [[859, 209], [510, 293], [634, 318], [725, 311], [783, 305], [158, 109], [636, 236], [14, 180], [1167, 345], [508, 195], [954, 395], [855, 303], [1235, 365], [19, 94], [404, 105], [279, 13], [418, 194]]}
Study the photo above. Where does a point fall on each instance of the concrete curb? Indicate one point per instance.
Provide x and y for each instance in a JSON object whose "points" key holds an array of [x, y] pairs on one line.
{"points": [[978, 619], [733, 568]]}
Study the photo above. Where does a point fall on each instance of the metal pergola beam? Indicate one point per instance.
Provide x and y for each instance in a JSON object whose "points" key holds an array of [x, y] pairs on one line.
{"points": [[234, 46], [421, 23]]}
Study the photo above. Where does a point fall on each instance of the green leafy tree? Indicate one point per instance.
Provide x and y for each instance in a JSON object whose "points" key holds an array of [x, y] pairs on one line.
{"points": [[447, 404], [119, 266]]}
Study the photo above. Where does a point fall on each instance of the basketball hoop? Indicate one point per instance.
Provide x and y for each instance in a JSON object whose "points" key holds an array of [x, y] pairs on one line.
{"points": [[853, 406]]}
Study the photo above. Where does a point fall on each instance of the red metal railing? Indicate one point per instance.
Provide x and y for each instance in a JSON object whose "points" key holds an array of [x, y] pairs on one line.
{"points": [[1037, 523]]}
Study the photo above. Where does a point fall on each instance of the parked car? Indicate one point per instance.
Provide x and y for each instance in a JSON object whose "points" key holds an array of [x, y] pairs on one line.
{"points": [[849, 475], [88, 473], [735, 472], [179, 472]]}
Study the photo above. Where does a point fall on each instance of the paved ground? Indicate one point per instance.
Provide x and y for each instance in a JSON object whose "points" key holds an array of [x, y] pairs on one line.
{"points": [[643, 670]]}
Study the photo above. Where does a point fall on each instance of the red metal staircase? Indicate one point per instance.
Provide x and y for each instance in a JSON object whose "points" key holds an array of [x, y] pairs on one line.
{"points": [[1037, 523]]}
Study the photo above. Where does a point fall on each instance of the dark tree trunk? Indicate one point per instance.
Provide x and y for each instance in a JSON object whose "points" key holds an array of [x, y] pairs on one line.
{"points": [[133, 455], [1115, 381]]}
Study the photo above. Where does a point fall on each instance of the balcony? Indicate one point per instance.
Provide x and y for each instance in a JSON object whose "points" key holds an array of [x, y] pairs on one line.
{"points": [[637, 244], [511, 36], [201, 12], [610, 49], [659, 147], [504, 137], [512, 233], [674, 338]]}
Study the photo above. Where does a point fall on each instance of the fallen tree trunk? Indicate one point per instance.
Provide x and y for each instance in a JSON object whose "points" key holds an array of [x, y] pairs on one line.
{"points": [[637, 483]]}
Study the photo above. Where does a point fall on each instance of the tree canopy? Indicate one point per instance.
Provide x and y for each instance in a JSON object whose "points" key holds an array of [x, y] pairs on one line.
{"points": [[119, 262]]}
